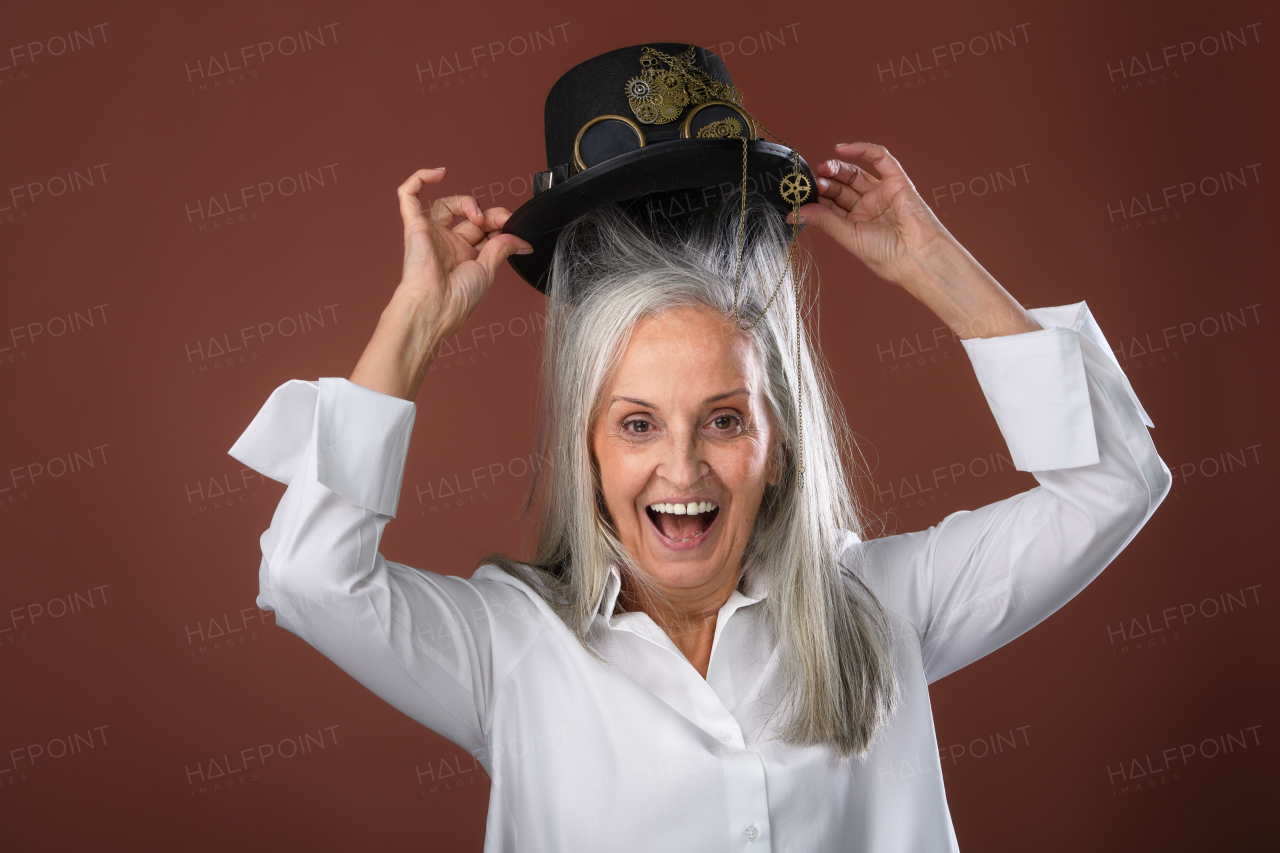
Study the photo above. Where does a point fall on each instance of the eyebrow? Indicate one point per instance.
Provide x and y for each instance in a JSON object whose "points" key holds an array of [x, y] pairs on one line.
{"points": [[715, 399]]}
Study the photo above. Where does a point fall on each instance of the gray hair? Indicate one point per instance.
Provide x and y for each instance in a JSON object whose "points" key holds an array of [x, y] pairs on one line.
{"points": [[609, 273]]}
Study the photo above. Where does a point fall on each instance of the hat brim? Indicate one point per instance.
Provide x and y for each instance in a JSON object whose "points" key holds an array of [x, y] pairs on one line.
{"points": [[679, 177]]}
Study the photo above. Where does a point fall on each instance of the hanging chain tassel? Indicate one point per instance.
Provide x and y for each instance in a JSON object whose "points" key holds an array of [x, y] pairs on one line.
{"points": [[684, 82]]}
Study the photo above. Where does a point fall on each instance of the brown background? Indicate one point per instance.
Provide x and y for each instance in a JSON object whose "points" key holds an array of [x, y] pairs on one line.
{"points": [[155, 537]]}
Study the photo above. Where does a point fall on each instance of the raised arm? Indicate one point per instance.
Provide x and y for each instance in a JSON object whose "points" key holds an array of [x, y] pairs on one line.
{"points": [[978, 579], [424, 642], [452, 252], [887, 225]]}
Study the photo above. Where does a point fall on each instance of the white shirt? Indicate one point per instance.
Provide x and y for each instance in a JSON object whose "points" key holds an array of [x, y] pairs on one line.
{"points": [[640, 752]]}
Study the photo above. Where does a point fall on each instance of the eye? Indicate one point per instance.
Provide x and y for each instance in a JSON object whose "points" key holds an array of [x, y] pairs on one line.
{"points": [[637, 426], [726, 423]]}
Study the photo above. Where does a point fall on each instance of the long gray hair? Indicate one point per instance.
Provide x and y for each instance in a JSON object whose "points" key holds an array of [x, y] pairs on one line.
{"points": [[609, 273]]}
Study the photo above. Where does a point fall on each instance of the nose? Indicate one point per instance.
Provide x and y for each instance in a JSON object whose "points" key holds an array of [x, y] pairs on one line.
{"points": [[683, 462]]}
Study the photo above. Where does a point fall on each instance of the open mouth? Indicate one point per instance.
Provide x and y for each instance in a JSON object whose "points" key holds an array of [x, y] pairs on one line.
{"points": [[683, 524]]}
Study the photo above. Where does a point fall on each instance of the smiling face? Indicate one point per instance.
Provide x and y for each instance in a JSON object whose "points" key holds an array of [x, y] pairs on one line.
{"points": [[683, 442]]}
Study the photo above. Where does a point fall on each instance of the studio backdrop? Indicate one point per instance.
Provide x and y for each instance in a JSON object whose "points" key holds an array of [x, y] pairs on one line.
{"points": [[197, 203]]}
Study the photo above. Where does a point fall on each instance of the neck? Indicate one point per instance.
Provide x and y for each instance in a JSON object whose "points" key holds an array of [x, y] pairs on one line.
{"points": [[688, 616]]}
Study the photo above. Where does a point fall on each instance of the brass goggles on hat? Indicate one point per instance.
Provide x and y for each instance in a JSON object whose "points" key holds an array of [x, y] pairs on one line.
{"points": [[658, 96], [609, 136]]}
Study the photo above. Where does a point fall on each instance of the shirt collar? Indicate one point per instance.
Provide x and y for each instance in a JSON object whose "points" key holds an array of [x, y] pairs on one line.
{"points": [[609, 596], [755, 587]]}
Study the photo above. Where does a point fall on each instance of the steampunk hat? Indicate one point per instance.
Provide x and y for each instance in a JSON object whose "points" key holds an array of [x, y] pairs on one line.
{"points": [[659, 128]]}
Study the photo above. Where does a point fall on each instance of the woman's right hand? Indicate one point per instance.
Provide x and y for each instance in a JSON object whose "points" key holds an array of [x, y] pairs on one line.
{"points": [[452, 253]]}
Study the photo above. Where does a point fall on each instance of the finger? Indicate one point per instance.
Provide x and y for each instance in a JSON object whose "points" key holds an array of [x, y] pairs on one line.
{"points": [[444, 211], [824, 202], [829, 188], [877, 155], [838, 170], [841, 194], [859, 179], [497, 249], [495, 218], [410, 206], [830, 222], [864, 182], [469, 231]]}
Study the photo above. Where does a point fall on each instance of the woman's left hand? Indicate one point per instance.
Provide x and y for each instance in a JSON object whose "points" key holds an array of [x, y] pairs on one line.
{"points": [[883, 221], [886, 224]]}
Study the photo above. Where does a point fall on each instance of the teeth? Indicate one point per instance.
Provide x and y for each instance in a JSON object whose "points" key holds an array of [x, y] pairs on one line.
{"points": [[691, 508]]}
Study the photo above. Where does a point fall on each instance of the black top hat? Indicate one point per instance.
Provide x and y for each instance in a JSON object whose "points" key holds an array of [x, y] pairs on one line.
{"points": [[659, 126]]}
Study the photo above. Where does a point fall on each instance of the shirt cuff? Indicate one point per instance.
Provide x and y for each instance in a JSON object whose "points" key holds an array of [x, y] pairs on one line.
{"points": [[357, 437], [1035, 384]]}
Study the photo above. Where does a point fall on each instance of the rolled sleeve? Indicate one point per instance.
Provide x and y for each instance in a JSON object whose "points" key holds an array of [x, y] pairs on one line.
{"points": [[980, 578], [1035, 385], [361, 439], [423, 641]]}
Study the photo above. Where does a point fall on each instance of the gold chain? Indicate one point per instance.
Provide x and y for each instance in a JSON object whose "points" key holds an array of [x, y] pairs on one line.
{"points": [[793, 185]]}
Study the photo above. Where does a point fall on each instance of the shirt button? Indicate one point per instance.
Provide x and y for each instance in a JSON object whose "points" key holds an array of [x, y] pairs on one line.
{"points": [[725, 736], [751, 832]]}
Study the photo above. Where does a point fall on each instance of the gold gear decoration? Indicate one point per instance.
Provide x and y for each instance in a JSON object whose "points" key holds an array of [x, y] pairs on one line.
{"points": [[672, 89], [726, 128], [658, 97], [647, 113], [794, 188]]}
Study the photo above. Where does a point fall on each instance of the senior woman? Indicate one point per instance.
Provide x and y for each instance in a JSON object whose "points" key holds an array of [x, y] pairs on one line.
{"points": [[702, 653]]}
